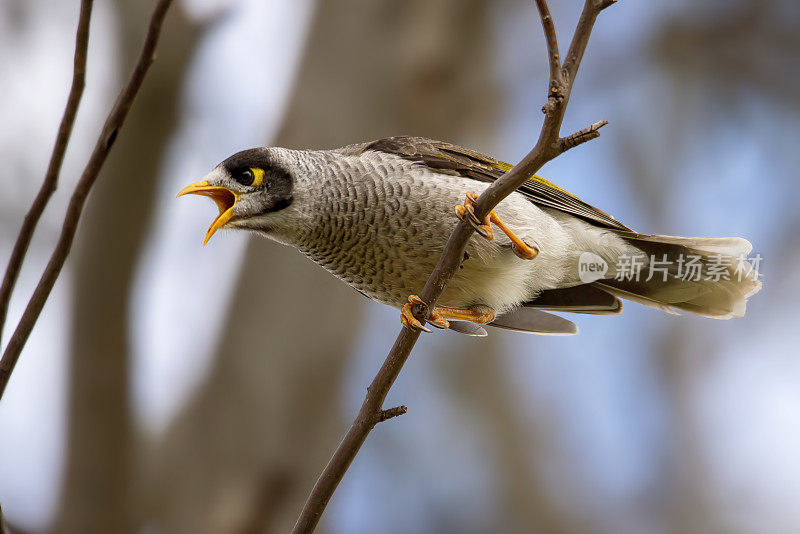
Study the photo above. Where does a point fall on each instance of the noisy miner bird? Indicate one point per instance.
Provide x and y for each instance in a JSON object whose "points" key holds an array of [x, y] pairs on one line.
{"points": [[377, 215]]}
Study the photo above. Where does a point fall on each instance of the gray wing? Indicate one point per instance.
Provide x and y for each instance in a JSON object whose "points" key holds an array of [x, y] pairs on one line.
{"points": [[452, 159]]}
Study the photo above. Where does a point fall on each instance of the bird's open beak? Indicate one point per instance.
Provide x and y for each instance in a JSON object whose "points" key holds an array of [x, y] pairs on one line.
{"points": [[222, 196]]}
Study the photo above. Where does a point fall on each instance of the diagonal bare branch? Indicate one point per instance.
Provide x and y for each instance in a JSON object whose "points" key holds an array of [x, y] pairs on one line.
{"points": [[547, 147], [105, 142], [54, 167]]}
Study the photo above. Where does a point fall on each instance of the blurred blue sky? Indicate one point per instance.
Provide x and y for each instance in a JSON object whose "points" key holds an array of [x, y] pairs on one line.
{"points": [[613, 422]]}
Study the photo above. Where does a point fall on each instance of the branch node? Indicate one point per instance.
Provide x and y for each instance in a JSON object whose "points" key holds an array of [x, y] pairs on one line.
{"points": [[111, 138], [391, 413], [606, 3], [556, 93], [466, 257]]}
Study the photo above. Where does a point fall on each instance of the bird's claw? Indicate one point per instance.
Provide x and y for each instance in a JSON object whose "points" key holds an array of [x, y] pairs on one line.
{"points": [[526, 251], [467, 213], [408, 320]]}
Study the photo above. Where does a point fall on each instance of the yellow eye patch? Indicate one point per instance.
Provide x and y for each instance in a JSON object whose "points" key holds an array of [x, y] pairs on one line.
{"points": [[258, 176]]}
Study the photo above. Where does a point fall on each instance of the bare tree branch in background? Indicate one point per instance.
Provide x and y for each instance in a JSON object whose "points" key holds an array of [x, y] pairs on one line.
{"points": [[54, 167], [548, 146], [105, 142], [101, 487]]}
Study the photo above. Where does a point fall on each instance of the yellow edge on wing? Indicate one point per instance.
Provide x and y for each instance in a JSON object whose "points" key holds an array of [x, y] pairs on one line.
{"points": [[505, 167]]}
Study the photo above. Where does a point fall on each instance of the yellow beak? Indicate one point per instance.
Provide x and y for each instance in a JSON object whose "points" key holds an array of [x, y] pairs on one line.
{"points": [[222, 196]]}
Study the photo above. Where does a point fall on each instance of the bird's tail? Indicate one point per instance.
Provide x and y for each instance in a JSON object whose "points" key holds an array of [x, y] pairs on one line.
{"points": [[712, 277]]}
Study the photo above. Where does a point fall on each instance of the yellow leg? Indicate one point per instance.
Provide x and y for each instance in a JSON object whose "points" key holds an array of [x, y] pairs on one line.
{"points": [[520, 247], [440, 314], [481, 316]]}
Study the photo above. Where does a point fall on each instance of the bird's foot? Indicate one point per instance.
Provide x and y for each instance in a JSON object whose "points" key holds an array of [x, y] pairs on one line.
{"points": [[440, 314], [522, 249], [474, 314], [408, 320], [467, 212], [484, 228]]}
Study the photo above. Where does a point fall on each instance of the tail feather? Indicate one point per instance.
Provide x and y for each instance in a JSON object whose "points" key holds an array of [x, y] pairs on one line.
{"points": [[705, 276], [633, 297]]}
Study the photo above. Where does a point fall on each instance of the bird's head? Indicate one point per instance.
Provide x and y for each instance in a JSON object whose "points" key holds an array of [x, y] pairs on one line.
{"points": [[247, 187]]}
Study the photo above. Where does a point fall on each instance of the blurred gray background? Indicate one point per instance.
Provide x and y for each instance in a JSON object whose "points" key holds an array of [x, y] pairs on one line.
{"points": [[174, 388]]}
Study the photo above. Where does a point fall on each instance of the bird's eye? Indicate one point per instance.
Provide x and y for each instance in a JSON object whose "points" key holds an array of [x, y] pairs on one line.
{"points": [[246, 177], [251, 177]]}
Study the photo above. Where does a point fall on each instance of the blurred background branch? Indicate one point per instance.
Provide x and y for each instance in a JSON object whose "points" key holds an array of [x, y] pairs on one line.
{"points": [[103, 471], [105, 141], [54, 167]]}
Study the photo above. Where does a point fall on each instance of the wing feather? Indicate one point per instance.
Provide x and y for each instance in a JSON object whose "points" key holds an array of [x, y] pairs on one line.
{"points": [[453, 159]]}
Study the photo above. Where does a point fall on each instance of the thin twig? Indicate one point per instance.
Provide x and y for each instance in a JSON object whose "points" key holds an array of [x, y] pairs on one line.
{"points": [[548, 146], [556, 83], [581, 136], [549, 28], [391, 413], [54, 167], [108, 135], [581, 37]]}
